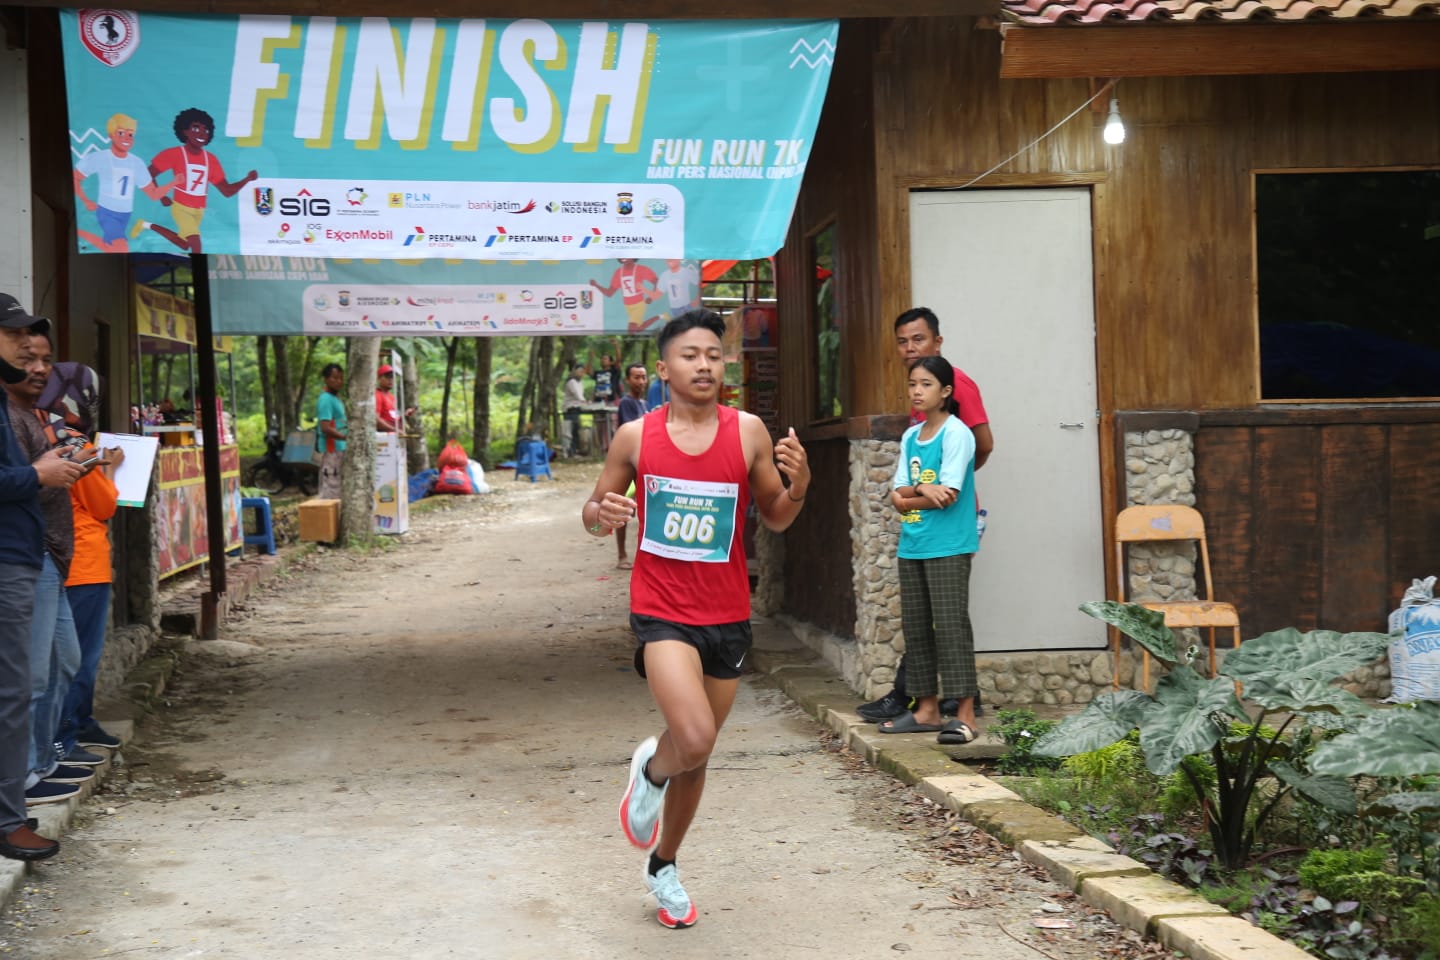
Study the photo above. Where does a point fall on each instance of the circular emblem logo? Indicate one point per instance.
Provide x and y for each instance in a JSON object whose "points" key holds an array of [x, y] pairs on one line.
{"points": [[656, 210], [111, 36]]}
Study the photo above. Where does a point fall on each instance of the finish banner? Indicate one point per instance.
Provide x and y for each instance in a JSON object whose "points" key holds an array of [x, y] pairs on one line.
{"points": [[391, 138], [430, 298]]}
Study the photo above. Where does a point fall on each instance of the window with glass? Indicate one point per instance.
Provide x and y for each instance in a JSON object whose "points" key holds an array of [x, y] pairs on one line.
{"points": [[1348, 273]]}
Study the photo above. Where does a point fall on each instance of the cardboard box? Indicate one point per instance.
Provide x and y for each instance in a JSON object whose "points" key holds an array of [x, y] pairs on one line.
{"points": [[320, 520]]}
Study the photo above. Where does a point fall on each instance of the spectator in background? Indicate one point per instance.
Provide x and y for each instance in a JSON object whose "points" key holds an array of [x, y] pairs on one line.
{"points": [[332, 431], [22, 549], [632, 407], [73, 394], [572, 399], [387, 418], [607, 380], [659, 392]]}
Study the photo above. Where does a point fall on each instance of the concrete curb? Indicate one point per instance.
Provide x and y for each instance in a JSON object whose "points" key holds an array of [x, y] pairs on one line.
{"points": [[1125, 888]]}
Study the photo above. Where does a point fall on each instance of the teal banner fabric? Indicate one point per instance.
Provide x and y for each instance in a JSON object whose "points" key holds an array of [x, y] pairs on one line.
{"points": [[391, 138]]}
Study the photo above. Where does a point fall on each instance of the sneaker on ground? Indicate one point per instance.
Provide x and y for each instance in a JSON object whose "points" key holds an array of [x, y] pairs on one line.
{"points": [[887, 707], [676, 911], [640, 807], [97, 737], [47, 792], [68, 774], [81, 757]]}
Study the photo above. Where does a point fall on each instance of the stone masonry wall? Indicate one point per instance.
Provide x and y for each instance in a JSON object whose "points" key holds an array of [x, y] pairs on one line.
{"points": [[874, 533]]}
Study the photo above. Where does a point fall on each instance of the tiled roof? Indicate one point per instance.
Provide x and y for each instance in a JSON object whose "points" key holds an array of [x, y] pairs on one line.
{"points": [[1048, 12]]}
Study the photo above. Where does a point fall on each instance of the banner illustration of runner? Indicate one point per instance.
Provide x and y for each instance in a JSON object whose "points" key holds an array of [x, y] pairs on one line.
{"points": [[194, 170], [630, 279], [118, 174]]}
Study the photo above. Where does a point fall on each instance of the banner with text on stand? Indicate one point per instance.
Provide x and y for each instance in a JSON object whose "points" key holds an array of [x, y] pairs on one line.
{"points": [[390, 138]]}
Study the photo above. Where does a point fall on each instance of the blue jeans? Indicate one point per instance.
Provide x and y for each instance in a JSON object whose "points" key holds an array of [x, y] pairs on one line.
{"points": [[54, 660], [17, 605], [90, 605]]}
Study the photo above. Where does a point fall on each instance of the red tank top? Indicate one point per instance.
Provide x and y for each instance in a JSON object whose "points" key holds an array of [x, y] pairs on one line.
{"points": [[690, 566]]}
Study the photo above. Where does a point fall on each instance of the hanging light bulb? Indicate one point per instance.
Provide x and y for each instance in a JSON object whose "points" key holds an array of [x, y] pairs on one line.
{"points": [[1114, 126]]}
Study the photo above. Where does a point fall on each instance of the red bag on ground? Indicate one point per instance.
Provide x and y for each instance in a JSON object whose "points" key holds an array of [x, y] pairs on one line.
{"points": [[454, 480], [453, 455]]}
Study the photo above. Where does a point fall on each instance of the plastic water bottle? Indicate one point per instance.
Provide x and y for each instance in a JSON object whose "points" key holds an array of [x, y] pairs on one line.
{"points": [[980, 522]]}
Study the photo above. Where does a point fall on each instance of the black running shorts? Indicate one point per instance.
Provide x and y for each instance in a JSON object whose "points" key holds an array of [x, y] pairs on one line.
{"points": [[722, 647]]}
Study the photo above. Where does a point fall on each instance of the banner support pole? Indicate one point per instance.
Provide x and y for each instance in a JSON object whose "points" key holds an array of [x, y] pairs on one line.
{"points": [[210, 435]]}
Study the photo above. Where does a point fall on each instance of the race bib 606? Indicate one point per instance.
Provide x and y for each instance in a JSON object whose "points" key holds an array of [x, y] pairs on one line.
{"points": [[689, 519]]}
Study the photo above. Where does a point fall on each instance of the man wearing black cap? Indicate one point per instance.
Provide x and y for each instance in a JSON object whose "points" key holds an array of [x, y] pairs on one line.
{"points": [[386, 418], [22, 549]]}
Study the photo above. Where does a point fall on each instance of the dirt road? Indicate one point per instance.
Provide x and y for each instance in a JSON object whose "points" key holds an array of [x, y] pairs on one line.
{"points": [[419, 754]]}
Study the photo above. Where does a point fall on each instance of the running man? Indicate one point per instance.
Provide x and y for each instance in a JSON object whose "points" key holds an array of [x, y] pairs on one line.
{"points": [[119, 174], [630, 279], [195, 171], [696, 465]]}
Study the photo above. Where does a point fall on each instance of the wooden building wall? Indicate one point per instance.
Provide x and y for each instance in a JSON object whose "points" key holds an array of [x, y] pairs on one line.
{"points": [[918, 103]]}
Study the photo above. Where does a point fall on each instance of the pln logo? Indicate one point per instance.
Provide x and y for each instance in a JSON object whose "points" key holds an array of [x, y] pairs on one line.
{"points": [[395, 199], [264, 201], [417, 237]]}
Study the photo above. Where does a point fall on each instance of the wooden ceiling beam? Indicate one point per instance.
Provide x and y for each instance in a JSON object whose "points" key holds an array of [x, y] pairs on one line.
{"points": [[574, 9], [1217, 49]]}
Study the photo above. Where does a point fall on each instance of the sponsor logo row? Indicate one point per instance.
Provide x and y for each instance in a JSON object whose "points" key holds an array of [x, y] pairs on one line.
{"points": [[357, 202]]}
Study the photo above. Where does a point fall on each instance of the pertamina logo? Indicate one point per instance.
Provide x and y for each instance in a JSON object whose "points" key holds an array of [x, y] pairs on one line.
{"points": [[417, 237], [111, 36], [497, 237], [593, 238]]}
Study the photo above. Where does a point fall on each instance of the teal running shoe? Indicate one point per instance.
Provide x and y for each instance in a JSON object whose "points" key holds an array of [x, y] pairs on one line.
{"points": [[676, 911], [640, 807]]}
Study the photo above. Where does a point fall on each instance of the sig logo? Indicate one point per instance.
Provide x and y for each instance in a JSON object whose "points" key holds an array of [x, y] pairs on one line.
{"points": [[304, 205], [561, 302]]}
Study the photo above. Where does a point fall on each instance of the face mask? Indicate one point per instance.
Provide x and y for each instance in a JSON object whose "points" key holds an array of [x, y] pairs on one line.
{"points": [[9, 374]]}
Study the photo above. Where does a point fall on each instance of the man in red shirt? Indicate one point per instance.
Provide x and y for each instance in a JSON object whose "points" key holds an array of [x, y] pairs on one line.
{"points": [[696, 465], [195, 170], [632, 278], [387, 419], [917, 334]]}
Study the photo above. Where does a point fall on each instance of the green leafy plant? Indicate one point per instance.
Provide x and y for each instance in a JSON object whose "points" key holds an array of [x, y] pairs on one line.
{"points": [[1021, 730], [1120, 760], [1284, 673], [1323, 870], [1419, 926], [1402, 743]]}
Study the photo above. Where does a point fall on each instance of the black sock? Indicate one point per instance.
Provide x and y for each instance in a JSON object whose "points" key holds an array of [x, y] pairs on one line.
{"points": [[651, 779], [656, 864]]}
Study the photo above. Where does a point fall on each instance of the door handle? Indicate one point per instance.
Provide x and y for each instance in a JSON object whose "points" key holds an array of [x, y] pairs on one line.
{"points": [[1077, 425]]}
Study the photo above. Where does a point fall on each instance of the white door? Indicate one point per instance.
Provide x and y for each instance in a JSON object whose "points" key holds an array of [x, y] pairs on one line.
{"points": [[1009, 273]]}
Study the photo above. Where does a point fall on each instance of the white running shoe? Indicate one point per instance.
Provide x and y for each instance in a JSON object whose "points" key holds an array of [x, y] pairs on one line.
{"points": [[676, 911], [640, 807]]}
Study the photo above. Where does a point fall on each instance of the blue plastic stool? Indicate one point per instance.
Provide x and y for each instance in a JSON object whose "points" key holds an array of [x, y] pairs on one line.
{"points": [[532, 459], [264, 535]]}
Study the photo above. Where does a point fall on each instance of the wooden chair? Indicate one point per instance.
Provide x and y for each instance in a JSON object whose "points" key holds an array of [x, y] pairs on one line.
{"points": [[1170, 523]]}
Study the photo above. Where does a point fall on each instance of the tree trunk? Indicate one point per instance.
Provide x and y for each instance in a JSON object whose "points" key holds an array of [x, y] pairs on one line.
{"points": [[544, 417], [285, 392], [417, 454], [267, 388], [450, 350], [304, 383], [480, 437], [524, 417], [357, 473]]}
